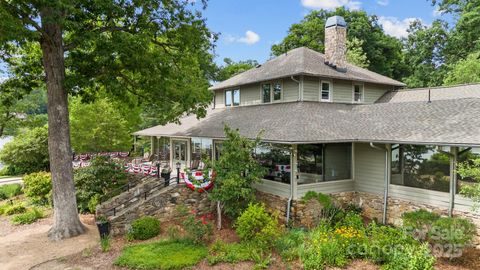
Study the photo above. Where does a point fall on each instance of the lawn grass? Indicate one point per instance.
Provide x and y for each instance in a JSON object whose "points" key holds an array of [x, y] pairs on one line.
{"points": [[10, 190], [163, 255]]}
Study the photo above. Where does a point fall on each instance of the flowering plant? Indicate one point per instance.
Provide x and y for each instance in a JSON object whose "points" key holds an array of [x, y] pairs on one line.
{"points": [[198, 228]]}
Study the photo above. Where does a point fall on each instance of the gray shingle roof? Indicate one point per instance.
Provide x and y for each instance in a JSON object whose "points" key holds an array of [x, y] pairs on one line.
{"points": [[444, 122], [436, 93], [302, 61]]}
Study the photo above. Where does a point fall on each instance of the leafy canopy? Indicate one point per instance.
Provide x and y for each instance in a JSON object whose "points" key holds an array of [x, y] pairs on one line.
{"points": [[232, 68], [236, 170]]}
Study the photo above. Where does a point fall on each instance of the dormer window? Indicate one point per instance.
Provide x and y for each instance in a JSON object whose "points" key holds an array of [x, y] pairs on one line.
{"points": [[325, 91], [271, 92], [358, 93], [232, 97]]}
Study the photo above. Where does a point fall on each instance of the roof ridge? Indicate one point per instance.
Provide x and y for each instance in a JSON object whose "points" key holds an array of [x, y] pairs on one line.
{"points": [[436, 87]]}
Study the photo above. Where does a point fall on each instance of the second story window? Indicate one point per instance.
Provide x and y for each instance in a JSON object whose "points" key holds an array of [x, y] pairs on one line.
{"points": [[325, 91], [357, 93], [266, 93], [232, 97], [277, 91]]}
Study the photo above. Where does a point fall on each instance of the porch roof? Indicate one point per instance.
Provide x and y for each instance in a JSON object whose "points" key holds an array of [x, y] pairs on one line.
{"points": [[441, 122]]}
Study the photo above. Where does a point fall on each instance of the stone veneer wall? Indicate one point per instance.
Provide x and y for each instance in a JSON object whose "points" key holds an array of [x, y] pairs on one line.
{"points": [[161, 204], [307, 214]]}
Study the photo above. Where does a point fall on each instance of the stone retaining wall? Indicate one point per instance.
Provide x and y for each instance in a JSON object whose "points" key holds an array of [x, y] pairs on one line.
{"points": [[161, 204]]}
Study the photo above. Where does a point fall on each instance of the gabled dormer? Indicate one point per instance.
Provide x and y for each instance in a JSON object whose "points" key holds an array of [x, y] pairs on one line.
{"points": [[302, 74]]}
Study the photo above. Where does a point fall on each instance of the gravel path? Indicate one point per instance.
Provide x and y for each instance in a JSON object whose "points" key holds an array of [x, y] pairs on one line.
{"points": [[26, 246]]}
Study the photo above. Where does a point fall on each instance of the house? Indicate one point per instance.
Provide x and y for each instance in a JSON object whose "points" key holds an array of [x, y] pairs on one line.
{"points": [[332, 127]]}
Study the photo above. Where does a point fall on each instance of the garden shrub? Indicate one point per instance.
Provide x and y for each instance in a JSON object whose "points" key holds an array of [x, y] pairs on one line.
{"points": [[323, 199], [144, 228], [288, 245], [99, 181], [38, 187], [352, 220], [163, 255], [15, 208], [173, 233], [411, 257], [354, 208], [451, 235], [199, 230], [382, 239], [419, 219], [257, 226], [229, 253], [28, 217], [10, 190]]}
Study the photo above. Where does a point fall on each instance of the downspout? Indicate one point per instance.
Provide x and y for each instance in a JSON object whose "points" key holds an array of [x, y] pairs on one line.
{"points": [[453, 176], [386, 183], [299, 87], [293, 170]]}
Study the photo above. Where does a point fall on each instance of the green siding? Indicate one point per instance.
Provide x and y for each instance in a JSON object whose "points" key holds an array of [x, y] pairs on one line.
{"points": [[311, 88], [369, 173], [219, 99], [373, 92], [342, 91], [290, 90], [250, 94]]}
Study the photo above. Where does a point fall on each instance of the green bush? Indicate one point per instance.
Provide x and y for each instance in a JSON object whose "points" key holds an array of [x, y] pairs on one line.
{"points": [[28, 217], [352, 220], [411, 257], [383, 238], [105, 243], [199, 230], [99, 181], [38, 187], [163, 255], [323, 199], [10, 190], [15, 208], [454, 232], [257, 226], [27, 152], [289, 245], [229, 253], [419, 219], [144, 228]]}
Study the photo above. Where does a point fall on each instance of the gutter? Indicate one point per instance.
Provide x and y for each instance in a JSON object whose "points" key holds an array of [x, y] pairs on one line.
{"points": [[387, 180]]}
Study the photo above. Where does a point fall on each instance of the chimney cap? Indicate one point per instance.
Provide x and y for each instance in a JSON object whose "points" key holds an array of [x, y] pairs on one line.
{"points": [[335, 21]]}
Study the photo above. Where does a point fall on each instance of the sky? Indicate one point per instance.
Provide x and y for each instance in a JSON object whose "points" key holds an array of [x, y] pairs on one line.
{"points": [[248, 28]]}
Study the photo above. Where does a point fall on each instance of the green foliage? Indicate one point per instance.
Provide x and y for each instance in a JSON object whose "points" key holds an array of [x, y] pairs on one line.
{"points": [[465, 71], [99, 181], [323, 199], [471, 169], [383, 238], [38, 187], [419, 219], [28, 217], [199, 230], [232, 68], [455, 232], [163, 255], [27, 152], [105, 243], [10, 190], [13, 209], [379, 52], [109, 132], [173, 233], [257, 226], [145, 228], [289, 244], [229, 253], [411, 257], [236, 171]]}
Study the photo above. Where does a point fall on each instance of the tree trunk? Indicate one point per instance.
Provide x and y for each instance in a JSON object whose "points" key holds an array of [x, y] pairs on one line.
{"points": [[219, 216], [66, 221]]}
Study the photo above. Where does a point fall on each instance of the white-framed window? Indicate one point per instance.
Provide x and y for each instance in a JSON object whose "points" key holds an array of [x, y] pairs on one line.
{"points": [[357, 92], [325, 91], [272, 92], [232, 97]]}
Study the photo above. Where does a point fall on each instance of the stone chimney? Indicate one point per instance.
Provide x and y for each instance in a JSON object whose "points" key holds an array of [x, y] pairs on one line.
{"points": [[336, 43]]}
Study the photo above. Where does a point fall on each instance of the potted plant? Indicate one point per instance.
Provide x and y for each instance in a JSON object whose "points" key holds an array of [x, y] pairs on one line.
{"points": [[103, 226], [165, 174]]}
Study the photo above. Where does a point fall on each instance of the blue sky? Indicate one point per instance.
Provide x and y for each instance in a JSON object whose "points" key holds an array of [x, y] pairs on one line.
{"points": [[248, 28]]}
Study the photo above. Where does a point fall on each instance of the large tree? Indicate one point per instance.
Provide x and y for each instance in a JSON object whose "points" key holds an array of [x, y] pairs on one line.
{"points": [[152, 50], [383, 52], [231, 68]]}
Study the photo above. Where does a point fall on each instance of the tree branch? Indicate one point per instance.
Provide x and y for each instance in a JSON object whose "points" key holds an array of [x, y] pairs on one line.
{"points": [[14, 11]]}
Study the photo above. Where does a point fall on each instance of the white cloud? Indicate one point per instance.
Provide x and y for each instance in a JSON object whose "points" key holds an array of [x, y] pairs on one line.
{"points": [[395, 27], [331, 4], [249, 38], [383, 2], [437, 12]]}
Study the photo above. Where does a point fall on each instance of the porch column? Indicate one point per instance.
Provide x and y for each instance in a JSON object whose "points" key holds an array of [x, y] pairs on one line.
{"points": [[293, 171], [453, 179], [388, 174]]}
